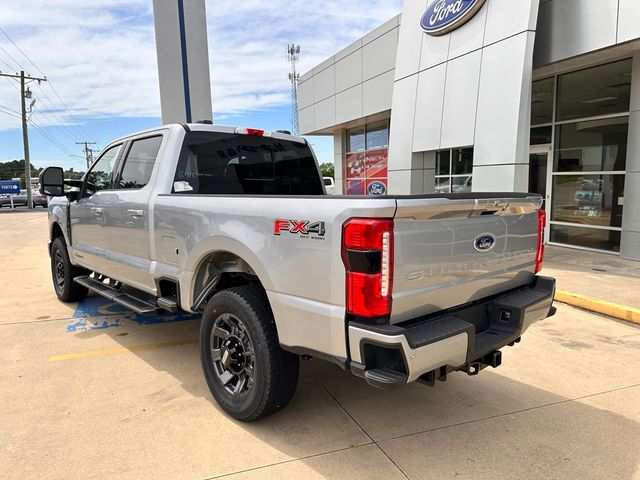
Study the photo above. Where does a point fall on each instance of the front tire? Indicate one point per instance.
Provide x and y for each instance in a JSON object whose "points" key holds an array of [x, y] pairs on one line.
{"points": [[63, 272], [249, 375]]}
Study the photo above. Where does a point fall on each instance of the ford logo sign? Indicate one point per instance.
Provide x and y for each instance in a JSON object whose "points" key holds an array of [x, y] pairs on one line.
{"points": [[444, 16], [484, 242], [377, 188]]}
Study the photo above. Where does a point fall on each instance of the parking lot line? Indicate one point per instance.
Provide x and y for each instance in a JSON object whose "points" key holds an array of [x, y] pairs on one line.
{"points": [[114, 351]]}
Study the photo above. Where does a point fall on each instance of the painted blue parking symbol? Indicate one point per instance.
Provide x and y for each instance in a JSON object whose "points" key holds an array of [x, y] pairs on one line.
{"points": [[98, 313]]}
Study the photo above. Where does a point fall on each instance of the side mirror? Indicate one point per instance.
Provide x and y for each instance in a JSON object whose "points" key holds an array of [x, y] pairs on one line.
{"points": [[52, 182]]}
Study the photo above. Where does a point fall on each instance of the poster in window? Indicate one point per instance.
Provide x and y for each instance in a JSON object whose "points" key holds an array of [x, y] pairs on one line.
{"points": [[355, 165], [377, 163], [355, 187], [366, 173]]}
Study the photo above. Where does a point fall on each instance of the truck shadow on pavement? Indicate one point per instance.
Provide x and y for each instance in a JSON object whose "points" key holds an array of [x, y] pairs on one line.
{"points": [[489, 426]]}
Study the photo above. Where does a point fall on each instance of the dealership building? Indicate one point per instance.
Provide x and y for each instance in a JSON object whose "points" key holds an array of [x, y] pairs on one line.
{"points": [[494, 96]]}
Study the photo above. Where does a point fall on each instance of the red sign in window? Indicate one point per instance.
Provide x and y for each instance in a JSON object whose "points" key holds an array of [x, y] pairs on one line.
{"points": [[366, 172]]}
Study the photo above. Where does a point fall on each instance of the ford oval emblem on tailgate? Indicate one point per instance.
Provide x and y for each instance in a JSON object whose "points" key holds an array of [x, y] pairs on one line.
{"points": [[484, 242]]}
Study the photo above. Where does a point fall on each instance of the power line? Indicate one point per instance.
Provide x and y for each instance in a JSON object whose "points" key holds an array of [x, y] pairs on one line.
{"points": [[75, 121], [88, 152], [10, 67], [10, 114], [10, 109], [54, 142], [14, 60], [23, 54], [78, 123], [24, 95], [69, 122]]}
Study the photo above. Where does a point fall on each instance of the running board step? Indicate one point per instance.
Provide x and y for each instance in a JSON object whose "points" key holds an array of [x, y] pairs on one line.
{"points": [[117, 296], [385, 378], [170, 304]]}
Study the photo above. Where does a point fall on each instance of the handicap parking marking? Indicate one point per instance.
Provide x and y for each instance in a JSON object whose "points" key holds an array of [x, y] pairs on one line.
{"points": [[98, 313]]}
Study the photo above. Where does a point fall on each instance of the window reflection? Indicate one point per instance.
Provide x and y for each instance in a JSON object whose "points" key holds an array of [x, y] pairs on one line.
{"points": [[599, 145], [586, 237], [601, 90], [588, 199], [542, 101]]}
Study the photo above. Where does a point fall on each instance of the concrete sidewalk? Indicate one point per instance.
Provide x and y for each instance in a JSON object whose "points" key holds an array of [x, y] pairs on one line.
{"points": [[597, 275]]}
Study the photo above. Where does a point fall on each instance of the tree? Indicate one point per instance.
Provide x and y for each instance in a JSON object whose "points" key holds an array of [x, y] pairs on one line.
{"points": [[73, 175], [15, 169], [328, 170]]}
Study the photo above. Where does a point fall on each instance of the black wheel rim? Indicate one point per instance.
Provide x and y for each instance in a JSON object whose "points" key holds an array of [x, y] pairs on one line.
{"points": [[232, 354], [58, 269]]}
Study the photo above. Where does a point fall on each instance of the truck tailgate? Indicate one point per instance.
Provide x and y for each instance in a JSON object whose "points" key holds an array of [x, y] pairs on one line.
{"points": [[453, 250]]}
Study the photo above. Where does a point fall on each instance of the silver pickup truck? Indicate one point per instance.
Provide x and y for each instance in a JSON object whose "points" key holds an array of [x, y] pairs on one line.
{"points": [[235, 224]]}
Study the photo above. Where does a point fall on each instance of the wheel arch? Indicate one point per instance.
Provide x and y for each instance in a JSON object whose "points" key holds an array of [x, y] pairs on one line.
{"points": [[55, 231], [228, 263]]}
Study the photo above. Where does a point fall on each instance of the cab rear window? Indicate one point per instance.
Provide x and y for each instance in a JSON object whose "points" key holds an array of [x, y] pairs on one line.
{"points": [[214, 163]]}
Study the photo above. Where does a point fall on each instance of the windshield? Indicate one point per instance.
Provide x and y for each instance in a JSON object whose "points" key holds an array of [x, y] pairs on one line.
{"points": [[230, 164]]}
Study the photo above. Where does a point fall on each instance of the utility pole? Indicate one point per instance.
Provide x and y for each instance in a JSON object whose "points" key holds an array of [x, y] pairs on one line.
{"points": [[88, 152], [25, 133], [293, 56]]}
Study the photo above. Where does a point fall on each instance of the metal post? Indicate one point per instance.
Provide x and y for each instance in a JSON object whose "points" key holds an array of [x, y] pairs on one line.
{"points": [[25, 141], [25, 133]]}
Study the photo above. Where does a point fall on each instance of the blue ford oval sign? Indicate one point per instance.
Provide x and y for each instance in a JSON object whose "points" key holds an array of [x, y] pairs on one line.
{"points": [[484, 242], [377, 188], [443, 16]]}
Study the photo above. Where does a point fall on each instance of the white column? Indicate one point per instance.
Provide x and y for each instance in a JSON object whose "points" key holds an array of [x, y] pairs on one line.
{"points": [[183, 60]]}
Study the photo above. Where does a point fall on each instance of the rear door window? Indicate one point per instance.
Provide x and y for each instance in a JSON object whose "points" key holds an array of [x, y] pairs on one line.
{"points": [[139, 163], [229, 164]]}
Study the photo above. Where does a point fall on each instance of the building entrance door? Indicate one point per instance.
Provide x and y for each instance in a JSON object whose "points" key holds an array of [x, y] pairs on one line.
{"points": [[540, 165]]}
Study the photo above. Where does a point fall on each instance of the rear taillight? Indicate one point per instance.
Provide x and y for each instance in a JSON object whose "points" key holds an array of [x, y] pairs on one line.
{"points": [[542, 223], [367, 252]]}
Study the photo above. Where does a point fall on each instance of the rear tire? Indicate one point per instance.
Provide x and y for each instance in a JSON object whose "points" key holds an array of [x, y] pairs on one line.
{"points": [[249, 375], [63, 272]]}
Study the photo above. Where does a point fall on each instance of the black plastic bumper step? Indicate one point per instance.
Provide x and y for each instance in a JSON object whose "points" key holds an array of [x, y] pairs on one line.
{"points": [[436, 330], [117, 296]]}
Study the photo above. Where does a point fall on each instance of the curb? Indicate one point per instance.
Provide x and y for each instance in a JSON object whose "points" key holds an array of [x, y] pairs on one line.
{"points": [[621, 312]]}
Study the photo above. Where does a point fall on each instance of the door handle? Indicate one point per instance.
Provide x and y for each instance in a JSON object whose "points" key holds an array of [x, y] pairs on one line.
{"points": [[135, 213], [97, 211]]}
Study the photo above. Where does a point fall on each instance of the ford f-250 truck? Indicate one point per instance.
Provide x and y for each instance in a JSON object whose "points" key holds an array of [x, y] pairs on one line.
{"points": [[235, 223]]}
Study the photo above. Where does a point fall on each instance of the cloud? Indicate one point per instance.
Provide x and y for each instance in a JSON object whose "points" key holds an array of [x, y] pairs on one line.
{"points": [[101, 58]]}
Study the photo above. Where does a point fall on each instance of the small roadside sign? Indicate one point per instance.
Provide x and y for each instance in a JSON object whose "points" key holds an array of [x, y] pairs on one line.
{"points": [[9, 187]]}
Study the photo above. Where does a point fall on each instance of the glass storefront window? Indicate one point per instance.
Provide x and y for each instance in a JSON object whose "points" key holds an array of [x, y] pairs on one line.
{"points": [[356, 140], [542, 101], [377, 135], [443, 163], [454, 170], [541, 135], [586, 237], [601, 90], [366, 162], [592, 146], [462, 162], [443, 185], [595, 200], [589, 135]]}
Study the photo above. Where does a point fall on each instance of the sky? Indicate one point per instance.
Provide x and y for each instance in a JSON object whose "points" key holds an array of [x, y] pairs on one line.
{"points": [[100, 60]]}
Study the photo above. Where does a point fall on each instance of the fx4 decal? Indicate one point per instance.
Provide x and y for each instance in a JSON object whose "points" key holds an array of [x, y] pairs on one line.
{"points": [[301, 227]]}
